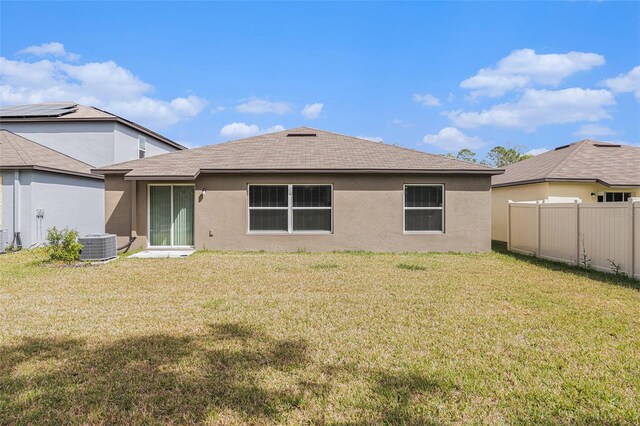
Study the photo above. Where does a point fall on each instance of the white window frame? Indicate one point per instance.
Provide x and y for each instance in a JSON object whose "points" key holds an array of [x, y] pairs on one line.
{"points": [[171, 229], [289, 209], [405, 208], [604, 195], [143, 140]]}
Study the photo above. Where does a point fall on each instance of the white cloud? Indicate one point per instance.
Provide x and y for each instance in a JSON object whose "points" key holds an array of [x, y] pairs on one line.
{"points": [[312, 111], [426, 99], [594, 130], [401, 123], [242, 130], [262, 106], [216, 109], [540, 107], [371, 138], [451, 139], [105, 85], [624, 83], [536, 151], [55, 49], [524, 68]]}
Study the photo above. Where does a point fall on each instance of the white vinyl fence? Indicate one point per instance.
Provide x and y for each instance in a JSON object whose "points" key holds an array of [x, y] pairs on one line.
{"points": [[595, 233]]}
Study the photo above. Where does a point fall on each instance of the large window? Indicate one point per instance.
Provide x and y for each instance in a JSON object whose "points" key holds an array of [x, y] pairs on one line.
{"points": [[424, 208], [290, 208], [614, 197]]}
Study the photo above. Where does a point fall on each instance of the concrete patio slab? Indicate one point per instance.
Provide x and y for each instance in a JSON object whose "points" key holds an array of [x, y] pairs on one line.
{"points": [[162, 254]]}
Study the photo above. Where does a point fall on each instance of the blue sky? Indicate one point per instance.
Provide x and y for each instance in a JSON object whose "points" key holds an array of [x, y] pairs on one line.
{"points": [[431, 76]]}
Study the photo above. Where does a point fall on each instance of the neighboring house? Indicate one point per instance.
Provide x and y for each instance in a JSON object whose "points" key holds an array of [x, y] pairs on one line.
{"points": [[301, 189], [88, 134], [35, 140], [588, 170], [44, 188]]}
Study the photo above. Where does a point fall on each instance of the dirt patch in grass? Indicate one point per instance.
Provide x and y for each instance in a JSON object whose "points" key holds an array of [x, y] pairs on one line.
{"points": [[341, 338]]}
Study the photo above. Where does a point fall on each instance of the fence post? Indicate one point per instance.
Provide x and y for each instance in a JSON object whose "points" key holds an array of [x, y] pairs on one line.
{"points": [[632, 237], [509, 224], [577, 208], [538, 228]]}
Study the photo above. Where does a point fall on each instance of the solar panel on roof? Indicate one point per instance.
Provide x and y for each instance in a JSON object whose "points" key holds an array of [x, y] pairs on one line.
{"points": [[38, 110]]}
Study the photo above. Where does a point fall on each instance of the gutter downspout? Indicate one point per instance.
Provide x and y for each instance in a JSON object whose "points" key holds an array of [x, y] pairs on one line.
{"points": [[16, 244]]}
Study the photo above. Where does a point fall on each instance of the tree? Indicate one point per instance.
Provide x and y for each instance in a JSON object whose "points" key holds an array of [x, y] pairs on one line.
{"points": [[500, 156], [466, 154]]}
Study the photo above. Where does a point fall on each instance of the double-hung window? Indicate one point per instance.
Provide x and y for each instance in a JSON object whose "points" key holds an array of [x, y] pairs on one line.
{"points": [[424, 208], [290, 208]]}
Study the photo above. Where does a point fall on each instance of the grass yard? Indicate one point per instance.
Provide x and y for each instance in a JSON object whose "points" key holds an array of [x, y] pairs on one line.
{"points": [[338, 338]]}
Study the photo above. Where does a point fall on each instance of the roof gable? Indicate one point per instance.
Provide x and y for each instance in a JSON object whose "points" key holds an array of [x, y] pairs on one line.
{"points": [[300, 149], [70, 111], [17, 152], [586, 160]]}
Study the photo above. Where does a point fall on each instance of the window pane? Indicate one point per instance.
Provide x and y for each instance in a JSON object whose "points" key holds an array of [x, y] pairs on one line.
{"points": [[423, 196], [183, 197], [160, 215], [423, 220], [626, 197], [312, 220], [268, 220], [311, 196], [268, 196]]}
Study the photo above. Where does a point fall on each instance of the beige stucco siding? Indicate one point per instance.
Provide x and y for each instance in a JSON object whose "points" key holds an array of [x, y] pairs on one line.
{"points": [[584, 190], [367, 213], [539, 191]]}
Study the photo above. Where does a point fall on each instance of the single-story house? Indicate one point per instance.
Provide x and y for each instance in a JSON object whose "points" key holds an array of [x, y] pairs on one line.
{"points": [[588, 170], [300, 189], [42, 188]]}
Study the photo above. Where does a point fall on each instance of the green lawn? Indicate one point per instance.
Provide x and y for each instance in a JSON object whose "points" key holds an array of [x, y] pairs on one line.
{"points": [[339, 338]]}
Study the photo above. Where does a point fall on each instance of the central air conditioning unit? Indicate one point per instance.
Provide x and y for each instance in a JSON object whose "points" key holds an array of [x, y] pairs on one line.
{"points": [[4, 240], [96, 247]]}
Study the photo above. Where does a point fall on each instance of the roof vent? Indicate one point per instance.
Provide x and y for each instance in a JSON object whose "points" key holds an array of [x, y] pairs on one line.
{"points": [[301, 135], [562, 147], [607, 145]]}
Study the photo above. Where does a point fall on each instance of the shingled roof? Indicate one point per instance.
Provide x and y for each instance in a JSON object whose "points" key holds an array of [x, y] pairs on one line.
{"points": [[302, 149], [584, 161], [20, 153], [72, 112]]}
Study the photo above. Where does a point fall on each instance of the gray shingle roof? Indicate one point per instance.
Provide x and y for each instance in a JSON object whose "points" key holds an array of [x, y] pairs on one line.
{"points": [[78, 113], [586, 160], [290, 151], [20, 153]]}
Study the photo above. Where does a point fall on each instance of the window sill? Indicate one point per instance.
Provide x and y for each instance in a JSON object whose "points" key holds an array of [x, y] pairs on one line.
{"points": [[290, 233], [423, 232]]}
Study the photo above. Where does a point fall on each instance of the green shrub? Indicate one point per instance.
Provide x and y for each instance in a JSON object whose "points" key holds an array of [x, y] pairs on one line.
{"points": [[62, 245]]}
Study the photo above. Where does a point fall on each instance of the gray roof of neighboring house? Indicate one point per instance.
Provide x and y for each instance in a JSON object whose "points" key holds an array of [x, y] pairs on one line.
{"points": [[301, 149], [70, 111], [584, 161], [20, 153]]}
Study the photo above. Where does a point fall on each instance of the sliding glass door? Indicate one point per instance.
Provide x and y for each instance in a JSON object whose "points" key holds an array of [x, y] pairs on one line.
{"points": [[171, 215]]}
